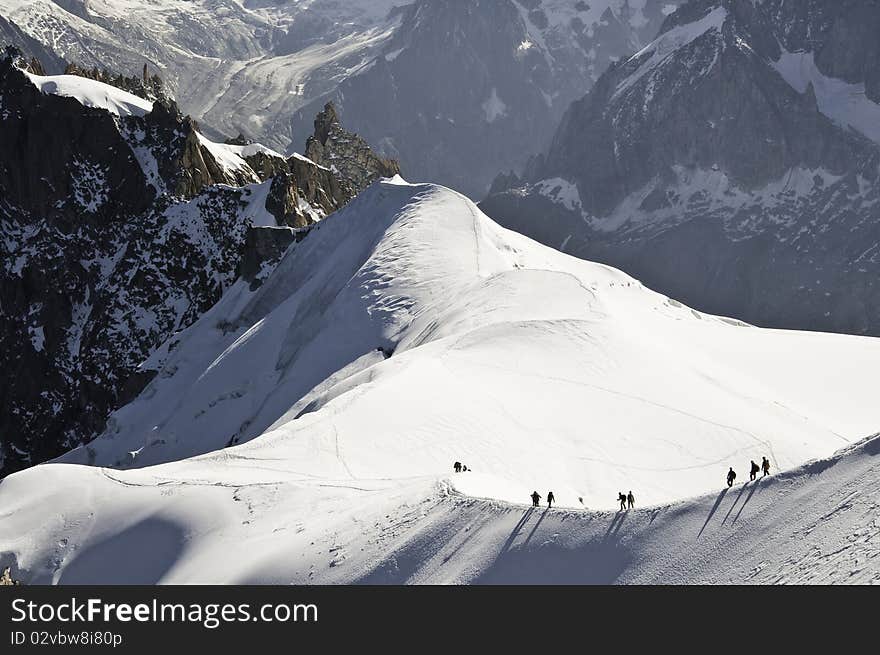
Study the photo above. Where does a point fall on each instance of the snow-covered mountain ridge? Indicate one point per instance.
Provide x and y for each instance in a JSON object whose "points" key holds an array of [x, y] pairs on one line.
{"points": [[315, 419], [408, 276]]}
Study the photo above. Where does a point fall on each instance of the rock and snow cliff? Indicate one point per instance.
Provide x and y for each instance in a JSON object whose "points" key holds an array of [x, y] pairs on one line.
{"points": [[122, 224]]}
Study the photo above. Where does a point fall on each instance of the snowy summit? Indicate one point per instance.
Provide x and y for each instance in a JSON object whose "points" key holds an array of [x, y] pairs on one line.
{"points": [[407, 332]]}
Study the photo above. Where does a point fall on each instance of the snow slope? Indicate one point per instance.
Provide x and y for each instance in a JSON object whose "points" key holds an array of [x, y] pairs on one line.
{"points": [[538, 370], [418, 270], [816, 524], [661, 49], [91, 93]]}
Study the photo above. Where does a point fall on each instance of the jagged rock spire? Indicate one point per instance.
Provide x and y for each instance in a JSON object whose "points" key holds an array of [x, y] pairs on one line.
{"points": [[345, 152]]}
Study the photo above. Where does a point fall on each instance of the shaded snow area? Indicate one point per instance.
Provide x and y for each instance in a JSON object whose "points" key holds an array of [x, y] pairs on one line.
{"points": [[92, 94], [844, 103], [408, 331]]}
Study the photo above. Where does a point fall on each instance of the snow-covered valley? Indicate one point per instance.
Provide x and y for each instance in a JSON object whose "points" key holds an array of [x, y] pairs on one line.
{"points": [[305, 431]]}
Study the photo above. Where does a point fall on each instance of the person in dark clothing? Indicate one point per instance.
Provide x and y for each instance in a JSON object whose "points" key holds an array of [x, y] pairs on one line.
{"points": [[731, 476], [765, 464], [550, 499], [754, 471], [457, 467], [536, 498], [631, 500], [622, 499], [464, 468]]}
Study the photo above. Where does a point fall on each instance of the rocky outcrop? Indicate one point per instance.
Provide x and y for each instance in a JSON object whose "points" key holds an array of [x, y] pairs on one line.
{"points": [[346, 153], [149, 87], [727, 165], [118, 232], [263, 248]]}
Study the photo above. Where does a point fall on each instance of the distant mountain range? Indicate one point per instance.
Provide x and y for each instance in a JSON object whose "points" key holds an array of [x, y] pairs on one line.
{"points": [[733, 163], [456, 90]]}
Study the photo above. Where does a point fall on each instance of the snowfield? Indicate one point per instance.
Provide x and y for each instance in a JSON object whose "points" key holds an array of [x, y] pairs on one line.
{"points": [[91, 93], [408, 331]]}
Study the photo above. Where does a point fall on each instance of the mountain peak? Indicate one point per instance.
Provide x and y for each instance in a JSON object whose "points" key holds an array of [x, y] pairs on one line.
{"points": [[345, 152], [745, 128]]}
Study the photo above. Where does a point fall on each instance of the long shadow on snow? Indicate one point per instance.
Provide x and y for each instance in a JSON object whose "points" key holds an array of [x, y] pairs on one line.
{"points": [[408, 557], [516, 530], [755, 487], [736, 500], [614, 528], [599, 561], [140, 554], [712, 511], [535, 528]]}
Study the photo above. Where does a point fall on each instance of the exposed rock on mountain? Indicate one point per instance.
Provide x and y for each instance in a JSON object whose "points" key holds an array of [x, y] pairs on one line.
{"points": [[121, 225], [733, 163], [146, 86], [345, 152]]}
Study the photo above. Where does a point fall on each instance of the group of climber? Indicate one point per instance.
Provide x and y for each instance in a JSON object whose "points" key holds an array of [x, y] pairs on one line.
{"points": [[623, 498], [753, 471], [628, 501], [536, 498]]}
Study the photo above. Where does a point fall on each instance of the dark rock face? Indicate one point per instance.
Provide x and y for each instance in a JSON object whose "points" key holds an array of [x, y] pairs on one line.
{"points": [[117, 233], [699, 167], [264, 246], [642, 124], [345, 152]]}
